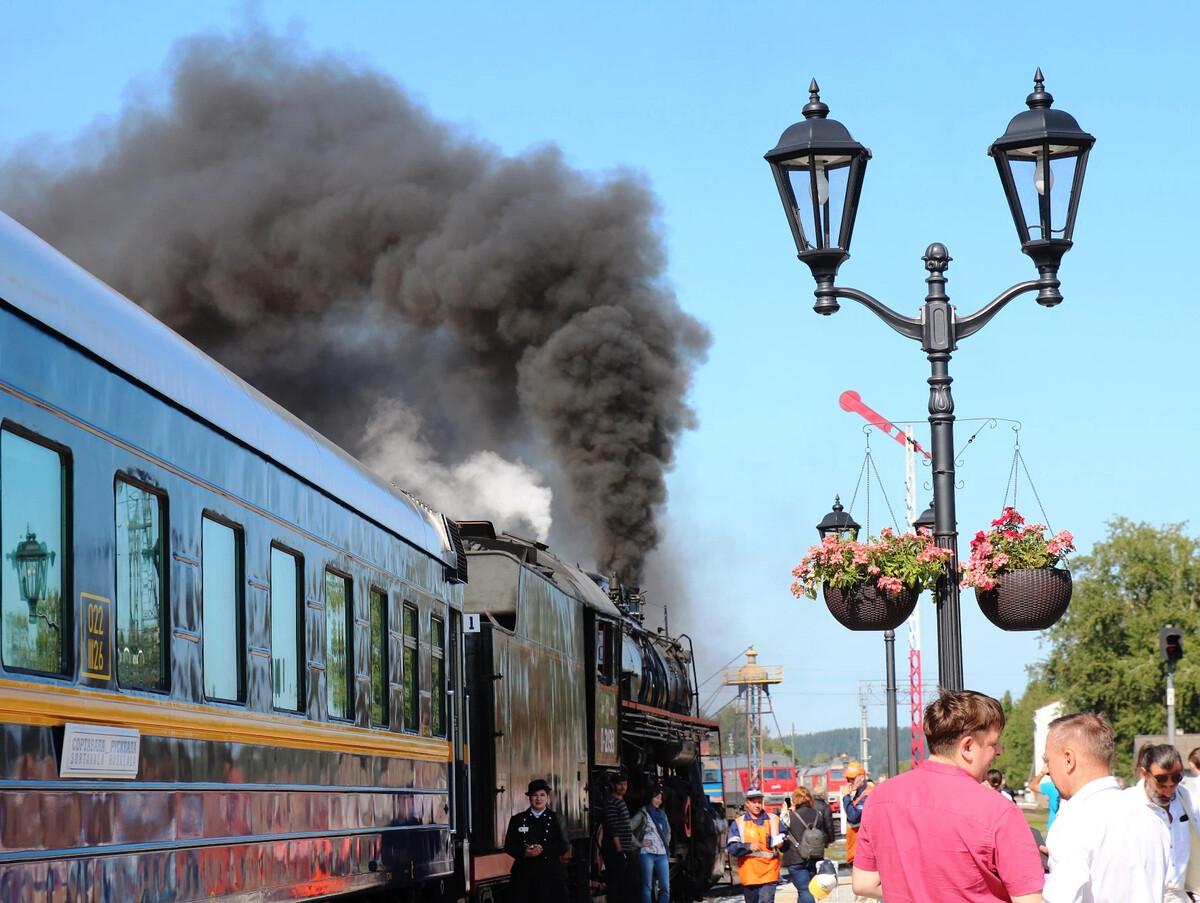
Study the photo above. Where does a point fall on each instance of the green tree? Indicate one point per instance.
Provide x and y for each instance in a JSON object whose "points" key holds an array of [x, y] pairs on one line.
{"points": [[1017, 738], [1104, 652]]}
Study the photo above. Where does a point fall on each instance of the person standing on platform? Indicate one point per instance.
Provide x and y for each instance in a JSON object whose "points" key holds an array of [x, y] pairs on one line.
{"points": [[1043, 785], [652, 834], [995, 780], [621, 872], [1105, 846], [802, 855], [1160, 773], [755, 841], [1191, 780], [938, 834], [859, 788], [535, 840]]}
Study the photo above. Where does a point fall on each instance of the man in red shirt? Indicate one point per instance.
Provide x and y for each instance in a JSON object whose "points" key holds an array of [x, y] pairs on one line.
{"points": [[938, 833]]}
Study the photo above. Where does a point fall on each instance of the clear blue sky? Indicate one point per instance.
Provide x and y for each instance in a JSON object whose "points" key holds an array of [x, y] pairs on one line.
{"points": [[691, 95]]}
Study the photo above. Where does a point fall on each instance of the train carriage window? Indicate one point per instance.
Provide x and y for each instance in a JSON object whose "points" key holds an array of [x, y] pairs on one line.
{"points": [[437, 714], [378, 648], [33, 531], [222, 612], [412, 720], [286, 634], [141, 614], [338, 654]]}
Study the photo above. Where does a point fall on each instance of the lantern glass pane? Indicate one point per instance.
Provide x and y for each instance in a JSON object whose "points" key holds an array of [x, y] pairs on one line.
{"points": [[31, 502], [822, 225], [1034, 179]]}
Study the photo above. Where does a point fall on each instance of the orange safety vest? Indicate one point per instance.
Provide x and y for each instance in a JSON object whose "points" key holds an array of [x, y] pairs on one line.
{"points": [[758, 868], [852, 830]]}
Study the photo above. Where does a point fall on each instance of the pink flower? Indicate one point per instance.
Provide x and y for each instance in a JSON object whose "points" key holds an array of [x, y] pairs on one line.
{"points": [[1010, 545]]}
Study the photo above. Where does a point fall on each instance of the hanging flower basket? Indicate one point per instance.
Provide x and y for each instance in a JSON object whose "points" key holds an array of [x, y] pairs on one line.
{"points": [[1029, 599], [1012, 568], [865, 606]]}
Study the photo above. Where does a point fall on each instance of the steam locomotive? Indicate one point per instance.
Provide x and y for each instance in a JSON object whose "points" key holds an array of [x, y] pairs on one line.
{"points": [[572, 687], [235, 665]]}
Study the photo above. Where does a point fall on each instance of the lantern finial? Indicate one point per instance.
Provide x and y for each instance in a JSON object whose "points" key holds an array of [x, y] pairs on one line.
{"points": [[1040, 99], [815, 109]]}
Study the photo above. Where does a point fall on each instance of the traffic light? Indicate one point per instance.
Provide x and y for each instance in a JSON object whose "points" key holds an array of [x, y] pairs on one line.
{"points": [[1170, 643]]}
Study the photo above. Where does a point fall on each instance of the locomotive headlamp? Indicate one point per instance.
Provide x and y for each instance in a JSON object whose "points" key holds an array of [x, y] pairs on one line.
{"points": [[837, 522], [30, 560]]}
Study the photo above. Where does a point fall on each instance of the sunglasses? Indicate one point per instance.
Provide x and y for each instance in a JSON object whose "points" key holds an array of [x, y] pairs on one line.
{"points": [[1174, 777]]}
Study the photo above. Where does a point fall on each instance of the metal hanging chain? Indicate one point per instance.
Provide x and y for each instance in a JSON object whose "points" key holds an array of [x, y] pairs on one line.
{"points": [[1013, 475], [869, 462], [862, 470]]}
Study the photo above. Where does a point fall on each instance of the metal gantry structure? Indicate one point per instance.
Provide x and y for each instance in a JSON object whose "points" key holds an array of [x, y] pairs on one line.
{"points": [[753, 682], [876, 693]]}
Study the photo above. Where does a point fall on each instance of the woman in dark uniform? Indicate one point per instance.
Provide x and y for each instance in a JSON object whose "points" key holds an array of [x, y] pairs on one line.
{"points": [[535, 840]]}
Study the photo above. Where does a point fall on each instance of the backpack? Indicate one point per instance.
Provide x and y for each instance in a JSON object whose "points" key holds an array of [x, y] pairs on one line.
{"points": [[812, 840]]}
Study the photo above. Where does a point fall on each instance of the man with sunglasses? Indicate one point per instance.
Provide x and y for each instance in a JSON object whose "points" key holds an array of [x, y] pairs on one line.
{"points": [[1160, 768], [1105, 846]]}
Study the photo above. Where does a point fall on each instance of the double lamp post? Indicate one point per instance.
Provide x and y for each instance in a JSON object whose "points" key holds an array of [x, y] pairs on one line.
{"points": [[819, 171]]}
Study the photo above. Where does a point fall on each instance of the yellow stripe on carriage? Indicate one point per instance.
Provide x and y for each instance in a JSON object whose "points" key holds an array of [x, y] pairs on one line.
{"points": [[33, 703]]}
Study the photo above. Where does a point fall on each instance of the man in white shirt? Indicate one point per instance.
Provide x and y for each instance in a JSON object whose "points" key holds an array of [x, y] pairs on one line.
{"points": [[1192, 783], [1160, 768], [1191, 780], [1105, 847]]}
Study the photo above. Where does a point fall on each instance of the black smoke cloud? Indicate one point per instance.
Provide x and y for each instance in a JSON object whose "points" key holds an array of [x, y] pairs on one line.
{"points": [[307, 224]]}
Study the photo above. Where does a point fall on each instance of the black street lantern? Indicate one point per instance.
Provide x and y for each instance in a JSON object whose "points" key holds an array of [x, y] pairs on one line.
{"points": [[819, 170], [30, 561], [925, 521], [837, 522], [1042, 158]]}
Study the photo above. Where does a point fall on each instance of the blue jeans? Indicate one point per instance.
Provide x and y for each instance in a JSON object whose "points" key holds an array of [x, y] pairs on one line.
{"points": [[759, 893], [655, 865], [800, 876]]}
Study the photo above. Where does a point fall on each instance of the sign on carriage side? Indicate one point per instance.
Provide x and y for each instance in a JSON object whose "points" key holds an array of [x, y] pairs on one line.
{"points": [[96, 627], [96, 751]]}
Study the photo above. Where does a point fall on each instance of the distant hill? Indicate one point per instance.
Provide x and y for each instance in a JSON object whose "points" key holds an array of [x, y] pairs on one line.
{"points": [[847, 740]]}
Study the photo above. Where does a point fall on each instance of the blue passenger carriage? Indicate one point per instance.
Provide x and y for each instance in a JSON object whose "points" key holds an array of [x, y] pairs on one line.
{"points": [[229, 655]]}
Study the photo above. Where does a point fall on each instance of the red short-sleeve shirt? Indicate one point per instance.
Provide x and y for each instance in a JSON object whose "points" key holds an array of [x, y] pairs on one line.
{"points": [[935, 833]]}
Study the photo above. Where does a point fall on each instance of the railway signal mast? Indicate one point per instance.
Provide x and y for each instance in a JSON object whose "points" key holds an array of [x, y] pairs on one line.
{"points": [[851, 401]]}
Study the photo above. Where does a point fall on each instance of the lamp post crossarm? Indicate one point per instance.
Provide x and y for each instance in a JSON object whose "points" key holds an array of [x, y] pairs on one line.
{"points": [[971, 324], [906, 326]]}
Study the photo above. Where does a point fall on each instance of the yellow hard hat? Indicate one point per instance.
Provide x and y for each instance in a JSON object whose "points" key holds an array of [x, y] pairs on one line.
{"points": [[822, 885]]}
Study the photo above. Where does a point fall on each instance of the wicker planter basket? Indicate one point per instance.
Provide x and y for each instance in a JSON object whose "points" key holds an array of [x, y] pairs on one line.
{"points": [[1031, 599], [867, 607]]}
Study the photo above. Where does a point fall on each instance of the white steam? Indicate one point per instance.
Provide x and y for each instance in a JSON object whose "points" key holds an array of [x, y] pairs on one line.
{"points": [[485, 486]]}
